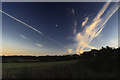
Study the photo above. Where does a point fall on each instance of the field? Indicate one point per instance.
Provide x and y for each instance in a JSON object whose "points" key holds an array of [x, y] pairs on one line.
{"points": [[94, 64], [83, 68], [38, 70]]}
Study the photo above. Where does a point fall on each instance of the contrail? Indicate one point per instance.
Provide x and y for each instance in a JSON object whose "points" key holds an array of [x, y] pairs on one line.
{"points": [[115, 8], [34, 29], [22, 36], [102, 11], [21, 22], [94, 29]]}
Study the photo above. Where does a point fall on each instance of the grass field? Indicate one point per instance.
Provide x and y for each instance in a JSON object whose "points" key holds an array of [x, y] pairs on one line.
{"points": [[84, 68], [36, 64], [18, 70]]}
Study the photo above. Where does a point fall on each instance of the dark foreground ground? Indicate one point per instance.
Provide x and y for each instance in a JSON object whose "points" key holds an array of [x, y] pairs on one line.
{"points": [[90, 68], [103, 64]]}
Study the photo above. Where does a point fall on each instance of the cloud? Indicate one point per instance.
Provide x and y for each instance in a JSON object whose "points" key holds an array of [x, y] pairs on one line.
{"points": [[75, 26], [74, 22], [86, 19], [22, 36], [70, 50], [73, 11], [39, 45], [74, 31], [93, 30]]}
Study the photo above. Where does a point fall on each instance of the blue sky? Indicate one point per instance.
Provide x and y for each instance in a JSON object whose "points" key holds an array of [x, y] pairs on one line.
{"points": [[56, 21]]}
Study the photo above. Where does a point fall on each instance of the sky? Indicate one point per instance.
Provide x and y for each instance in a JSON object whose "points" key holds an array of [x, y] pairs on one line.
{"points": [[52, 28]]}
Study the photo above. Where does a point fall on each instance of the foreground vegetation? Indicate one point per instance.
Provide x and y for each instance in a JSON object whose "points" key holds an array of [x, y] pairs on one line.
{"points": [[94, 64]]}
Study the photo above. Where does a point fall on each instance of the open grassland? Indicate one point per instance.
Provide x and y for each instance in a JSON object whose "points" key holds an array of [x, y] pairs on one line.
{"points": [[37, 70], [36, 64], [83, 68]]}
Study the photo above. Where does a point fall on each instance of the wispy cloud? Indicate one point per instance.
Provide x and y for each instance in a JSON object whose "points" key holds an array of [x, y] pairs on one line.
{"points": [[22, 36], [93, 30], [70, 50], [86, 19], [73, 11], [75, 26], [74, 31], [39, 45], [74, 21]]}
